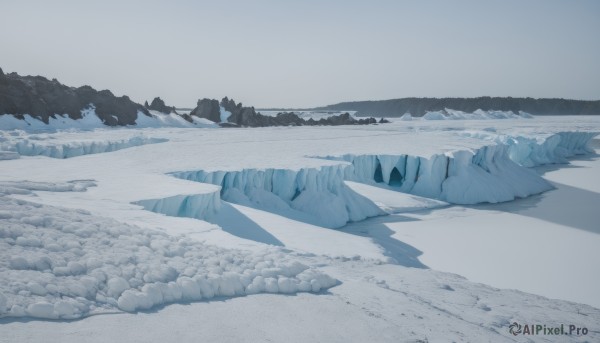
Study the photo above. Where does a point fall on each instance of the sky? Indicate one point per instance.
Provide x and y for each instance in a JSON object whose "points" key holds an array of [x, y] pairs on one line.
{"points": [[294, 54]]}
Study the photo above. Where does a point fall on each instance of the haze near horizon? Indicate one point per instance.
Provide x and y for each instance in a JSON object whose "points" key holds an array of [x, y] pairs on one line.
{"points": [[311, 53]]}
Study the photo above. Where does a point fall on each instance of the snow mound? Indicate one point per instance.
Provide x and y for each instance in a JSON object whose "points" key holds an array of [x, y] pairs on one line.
{"points": [[434, 116], [65, 264], [406, 117], [39, 145], [318, 193], [158, 119], [448, 114]]}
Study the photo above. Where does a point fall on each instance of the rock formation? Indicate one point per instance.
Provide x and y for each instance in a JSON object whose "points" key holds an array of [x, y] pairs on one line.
{"points": [[208, 109], [248, 117], [43, 98], [159, 105]]}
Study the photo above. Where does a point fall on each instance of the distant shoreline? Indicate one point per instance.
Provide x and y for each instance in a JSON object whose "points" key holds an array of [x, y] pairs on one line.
{"points": [[419, 106]]}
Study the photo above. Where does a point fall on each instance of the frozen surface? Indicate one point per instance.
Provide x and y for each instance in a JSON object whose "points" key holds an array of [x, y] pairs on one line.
{"points": [[375, 303], [547, 244], [218, 205]]}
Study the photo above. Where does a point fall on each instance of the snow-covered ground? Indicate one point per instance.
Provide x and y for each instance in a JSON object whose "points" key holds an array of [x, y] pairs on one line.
{"points": [[206, 218]]}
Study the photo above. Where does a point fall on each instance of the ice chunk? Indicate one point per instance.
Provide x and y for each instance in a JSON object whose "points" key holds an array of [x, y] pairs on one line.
{"points": [[116, 286], [42, 309]]}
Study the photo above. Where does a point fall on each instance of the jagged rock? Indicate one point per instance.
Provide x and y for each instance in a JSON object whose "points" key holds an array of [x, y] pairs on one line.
{"points": [[342, 119], [383, 121], [159, 105], [43, 98], [208, 109], [289, 118], [247, 116], [235, 109]]}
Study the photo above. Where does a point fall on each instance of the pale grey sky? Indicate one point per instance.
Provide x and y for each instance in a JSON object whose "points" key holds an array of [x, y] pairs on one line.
{"points": [[308, 53]]}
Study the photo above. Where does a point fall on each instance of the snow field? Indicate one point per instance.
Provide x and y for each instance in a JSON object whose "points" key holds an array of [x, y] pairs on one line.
{"points": [[66, 264]]}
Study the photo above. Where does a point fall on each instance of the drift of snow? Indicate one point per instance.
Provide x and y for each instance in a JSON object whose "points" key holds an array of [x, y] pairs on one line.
{"points": [[433, 152]]}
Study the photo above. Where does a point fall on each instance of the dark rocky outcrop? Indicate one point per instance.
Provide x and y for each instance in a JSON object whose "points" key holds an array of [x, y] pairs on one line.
{"points": [[159, 105], [248, 117], [420, 106], [43, 98], [208, 109]]}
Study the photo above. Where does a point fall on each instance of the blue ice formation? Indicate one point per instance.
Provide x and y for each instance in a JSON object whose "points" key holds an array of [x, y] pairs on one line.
{"points": [[490, 174], [319, 193], [27, 147]]}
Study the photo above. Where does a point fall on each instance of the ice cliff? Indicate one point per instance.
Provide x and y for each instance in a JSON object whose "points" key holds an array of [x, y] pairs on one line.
{"points": [[492, 173], [319, 193], [30, 147], [495, 172]]}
